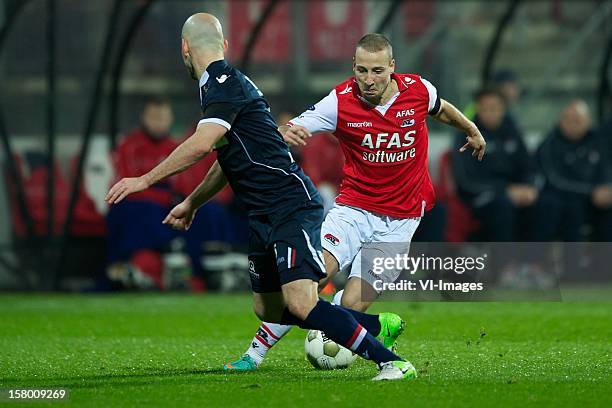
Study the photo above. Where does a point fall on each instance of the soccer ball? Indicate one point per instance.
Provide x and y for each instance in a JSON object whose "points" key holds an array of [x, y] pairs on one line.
{"points": [[324, 354]]}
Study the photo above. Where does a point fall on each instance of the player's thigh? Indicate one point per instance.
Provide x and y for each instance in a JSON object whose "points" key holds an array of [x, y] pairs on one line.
{"points": [[342, 232], [358, 294], [299, 258], [263, 270], [388, 242], [268, 306]]}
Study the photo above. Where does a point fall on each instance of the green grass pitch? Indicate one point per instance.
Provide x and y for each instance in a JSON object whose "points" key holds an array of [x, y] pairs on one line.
{"points": [[167, 350]]}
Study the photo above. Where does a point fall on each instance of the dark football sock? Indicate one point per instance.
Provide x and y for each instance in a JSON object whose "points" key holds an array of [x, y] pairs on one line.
{"points": [[369, 321], [340, 326]]}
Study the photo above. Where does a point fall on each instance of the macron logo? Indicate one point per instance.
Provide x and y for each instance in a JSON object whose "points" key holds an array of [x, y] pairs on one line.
{"points": [[359, 124], [222, 78], [346, 90]]}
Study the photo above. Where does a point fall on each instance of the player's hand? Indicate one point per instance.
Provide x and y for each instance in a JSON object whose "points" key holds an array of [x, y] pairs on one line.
{"points": [[181, 216], [475, 141], [295, 135], [124, 188]]}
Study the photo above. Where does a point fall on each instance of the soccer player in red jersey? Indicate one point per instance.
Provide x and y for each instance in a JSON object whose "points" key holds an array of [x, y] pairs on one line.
{"points": [[379, 118], [284, 208]]}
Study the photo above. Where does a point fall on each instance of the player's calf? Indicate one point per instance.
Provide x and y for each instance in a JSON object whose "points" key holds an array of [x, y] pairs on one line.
{"points": [[300, 297], [268, 307]]}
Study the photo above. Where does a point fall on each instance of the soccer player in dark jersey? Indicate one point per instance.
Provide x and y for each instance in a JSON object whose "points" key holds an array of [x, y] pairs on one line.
{"points": [[285, 210]]}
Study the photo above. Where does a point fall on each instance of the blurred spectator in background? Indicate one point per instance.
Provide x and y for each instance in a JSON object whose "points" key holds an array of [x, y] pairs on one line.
{"points": [[508, 85], [135, 232], [604, 232], [578, 177], [499, 186]]}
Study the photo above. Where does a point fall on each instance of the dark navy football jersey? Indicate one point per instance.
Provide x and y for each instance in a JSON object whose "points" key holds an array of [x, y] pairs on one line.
{"points": [[253, 155]]}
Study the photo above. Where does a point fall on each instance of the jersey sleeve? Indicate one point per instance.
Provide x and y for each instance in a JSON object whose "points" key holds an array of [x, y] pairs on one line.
{"points": [[320, 117], [221, 113], [434, 98]]}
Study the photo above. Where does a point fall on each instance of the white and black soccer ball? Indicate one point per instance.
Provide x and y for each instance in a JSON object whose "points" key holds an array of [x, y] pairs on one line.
{"points": [[324, 354]]}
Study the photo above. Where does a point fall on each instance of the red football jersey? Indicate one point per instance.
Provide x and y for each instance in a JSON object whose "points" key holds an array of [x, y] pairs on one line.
{"points": [[385, 146]]}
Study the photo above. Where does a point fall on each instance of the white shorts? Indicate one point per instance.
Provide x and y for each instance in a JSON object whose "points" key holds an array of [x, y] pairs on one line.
{"points": [[345, 229]]}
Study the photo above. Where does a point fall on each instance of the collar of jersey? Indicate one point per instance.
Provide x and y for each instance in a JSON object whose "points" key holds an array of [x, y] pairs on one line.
{"points": [[204, 78], [401, 86], [211, 67]]}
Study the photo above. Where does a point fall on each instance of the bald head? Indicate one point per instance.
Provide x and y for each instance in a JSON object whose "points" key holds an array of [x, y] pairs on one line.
{"points": [[202, 31], [575, 120]]}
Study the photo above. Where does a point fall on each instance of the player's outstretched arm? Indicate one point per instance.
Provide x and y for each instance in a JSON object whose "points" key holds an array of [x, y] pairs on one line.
{"points": [[320, 117], [181, 216], [184, 156], [450, 115]]}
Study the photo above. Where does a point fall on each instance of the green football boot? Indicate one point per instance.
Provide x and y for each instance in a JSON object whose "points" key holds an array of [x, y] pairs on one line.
{"points": [[391, 326], [244, 363], [396, 370]]}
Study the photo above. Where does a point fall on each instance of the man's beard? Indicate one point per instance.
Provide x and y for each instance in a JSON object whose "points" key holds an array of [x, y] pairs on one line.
{"points": [[375, 100]]}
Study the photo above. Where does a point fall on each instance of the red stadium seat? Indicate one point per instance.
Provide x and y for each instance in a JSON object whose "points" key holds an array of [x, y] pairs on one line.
{"points": [[34, 175]]}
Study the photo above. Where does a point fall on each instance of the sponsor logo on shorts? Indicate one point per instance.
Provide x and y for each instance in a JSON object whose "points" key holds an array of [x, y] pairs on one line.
{"points": [[331, 239], [252, 270]]}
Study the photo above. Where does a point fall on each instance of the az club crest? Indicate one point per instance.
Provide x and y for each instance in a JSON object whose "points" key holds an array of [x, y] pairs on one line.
{"points": [[407, 122], [331, 239]]}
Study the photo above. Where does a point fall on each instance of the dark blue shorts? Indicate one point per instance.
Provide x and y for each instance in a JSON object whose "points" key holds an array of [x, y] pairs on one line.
{"points": [[285, 247]]}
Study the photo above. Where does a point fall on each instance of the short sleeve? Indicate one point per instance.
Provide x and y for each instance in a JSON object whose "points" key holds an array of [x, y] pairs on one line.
{"points": [[320, 117], [221, 113], [434, 98]]}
